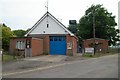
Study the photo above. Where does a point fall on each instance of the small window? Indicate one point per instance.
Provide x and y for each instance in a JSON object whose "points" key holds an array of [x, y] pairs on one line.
{"points": [[55, 39], [47, 25], [63, 38], [51, 38], [60, 39], [20, 45]]}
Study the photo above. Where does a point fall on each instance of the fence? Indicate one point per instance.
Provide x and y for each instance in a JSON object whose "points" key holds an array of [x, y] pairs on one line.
{"points": [[114, 50]]}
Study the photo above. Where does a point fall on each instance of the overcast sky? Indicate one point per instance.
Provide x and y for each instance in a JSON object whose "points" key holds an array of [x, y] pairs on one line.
{"points": [[23, 14]]}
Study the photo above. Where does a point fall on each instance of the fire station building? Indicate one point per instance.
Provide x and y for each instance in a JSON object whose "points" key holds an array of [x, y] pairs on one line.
{"points": [[47, 36]]}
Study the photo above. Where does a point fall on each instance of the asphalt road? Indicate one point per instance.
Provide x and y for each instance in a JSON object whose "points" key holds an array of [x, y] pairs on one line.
{"points": [[102, 67]]}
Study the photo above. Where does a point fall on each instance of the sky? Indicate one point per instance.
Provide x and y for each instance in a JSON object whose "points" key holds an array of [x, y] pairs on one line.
{"points": [[23, 14]]}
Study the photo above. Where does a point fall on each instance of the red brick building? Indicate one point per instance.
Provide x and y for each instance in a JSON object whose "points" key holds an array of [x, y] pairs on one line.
{"points": [[26, 46], [101, 45], [47, 36]]}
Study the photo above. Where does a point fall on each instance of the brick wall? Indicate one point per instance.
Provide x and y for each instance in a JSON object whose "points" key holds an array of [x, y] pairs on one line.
{"points": [[100, 44], [45, 43], [72, 40], [74, 45], [40, 45], [12, 48], [37, 46]]}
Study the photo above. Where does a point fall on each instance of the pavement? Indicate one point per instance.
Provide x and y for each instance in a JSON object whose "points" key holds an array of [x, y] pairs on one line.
{"points": [[101, 67]]}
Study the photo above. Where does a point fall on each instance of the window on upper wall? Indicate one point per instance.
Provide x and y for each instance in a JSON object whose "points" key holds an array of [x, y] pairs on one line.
{"points": [[55, 39], [20, 45], [47, 25]]}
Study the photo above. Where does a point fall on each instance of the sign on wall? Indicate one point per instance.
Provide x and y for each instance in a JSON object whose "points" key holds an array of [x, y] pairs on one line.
{"points": [[89, 50], [28, 44], [69, 45]]}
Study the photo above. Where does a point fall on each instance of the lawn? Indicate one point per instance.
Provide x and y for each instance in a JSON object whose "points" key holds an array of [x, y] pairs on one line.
{"points": [[7, 57]]}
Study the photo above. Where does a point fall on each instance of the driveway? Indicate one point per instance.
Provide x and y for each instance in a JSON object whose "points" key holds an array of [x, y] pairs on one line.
{"points": [[31, 62], [47, 58]]}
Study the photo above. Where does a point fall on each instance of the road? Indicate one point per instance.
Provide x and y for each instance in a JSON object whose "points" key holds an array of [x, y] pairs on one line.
{"points": [[102, 67]]}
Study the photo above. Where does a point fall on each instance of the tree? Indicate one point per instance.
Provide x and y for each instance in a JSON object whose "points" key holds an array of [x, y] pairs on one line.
{"points": [[19, 33], [6, 34], [104, 24]]}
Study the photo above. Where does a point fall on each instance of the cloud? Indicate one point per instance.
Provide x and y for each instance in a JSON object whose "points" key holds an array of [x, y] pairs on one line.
{"points": [[24, 13]]}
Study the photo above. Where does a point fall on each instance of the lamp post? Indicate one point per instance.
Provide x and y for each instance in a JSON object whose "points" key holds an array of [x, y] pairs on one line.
{"points": [[118, 46], [93, 12]]}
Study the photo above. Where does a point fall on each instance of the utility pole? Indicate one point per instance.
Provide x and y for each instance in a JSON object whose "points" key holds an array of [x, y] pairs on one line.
{"points": [[93, 12]]}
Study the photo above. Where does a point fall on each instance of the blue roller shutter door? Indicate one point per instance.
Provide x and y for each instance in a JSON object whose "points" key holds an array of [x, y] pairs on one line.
{"points": [[57, 45]]}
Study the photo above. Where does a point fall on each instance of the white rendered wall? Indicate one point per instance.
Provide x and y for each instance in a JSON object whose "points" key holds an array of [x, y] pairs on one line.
{"points": [[53, 28]]}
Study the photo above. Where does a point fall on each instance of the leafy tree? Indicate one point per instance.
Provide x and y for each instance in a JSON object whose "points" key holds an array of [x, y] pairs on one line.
{"points": [[104, 24], [6, 34], [19, 33]]}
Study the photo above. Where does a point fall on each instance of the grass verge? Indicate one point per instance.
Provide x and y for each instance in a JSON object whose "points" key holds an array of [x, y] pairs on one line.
{"points": [[87, 55], [7, 57]]}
